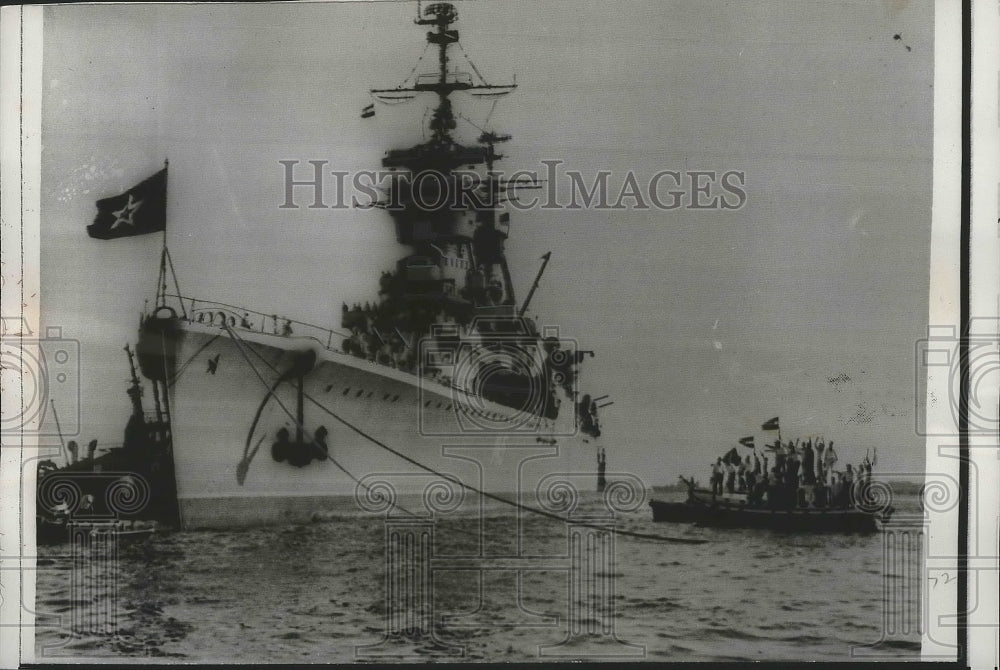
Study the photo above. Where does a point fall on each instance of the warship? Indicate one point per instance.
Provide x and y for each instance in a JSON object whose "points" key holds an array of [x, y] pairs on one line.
{"points": [[442, 373]]}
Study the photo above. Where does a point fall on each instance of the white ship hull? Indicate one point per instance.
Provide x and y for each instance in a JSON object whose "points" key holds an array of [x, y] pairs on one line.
{"points": [[222, 376]]}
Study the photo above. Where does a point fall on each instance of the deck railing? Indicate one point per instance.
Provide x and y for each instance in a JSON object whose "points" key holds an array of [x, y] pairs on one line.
{"points": [[220, 314]]}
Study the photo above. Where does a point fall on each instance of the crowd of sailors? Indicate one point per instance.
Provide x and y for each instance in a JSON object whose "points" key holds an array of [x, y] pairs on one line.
{"points": [[801, 474], [381, 345]]}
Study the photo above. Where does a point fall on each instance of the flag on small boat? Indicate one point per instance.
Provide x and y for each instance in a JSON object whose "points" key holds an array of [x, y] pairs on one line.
{"points": [[368, 112], [731, 456], [770, 425], [747, 442], [141, 209]]}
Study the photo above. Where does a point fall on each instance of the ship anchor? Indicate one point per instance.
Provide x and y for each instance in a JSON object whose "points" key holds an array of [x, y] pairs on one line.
{"points": [[300, 451]]}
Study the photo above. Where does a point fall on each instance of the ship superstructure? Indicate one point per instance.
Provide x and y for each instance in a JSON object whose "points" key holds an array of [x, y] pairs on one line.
{"points": [[447, 203]]}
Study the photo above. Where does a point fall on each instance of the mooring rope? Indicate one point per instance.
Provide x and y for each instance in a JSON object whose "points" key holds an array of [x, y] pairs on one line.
{"points": [[184, 366], [455, 480], [244, 464]]}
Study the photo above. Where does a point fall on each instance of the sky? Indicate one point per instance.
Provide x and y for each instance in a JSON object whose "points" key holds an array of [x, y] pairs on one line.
{"points": [[806, 303]]}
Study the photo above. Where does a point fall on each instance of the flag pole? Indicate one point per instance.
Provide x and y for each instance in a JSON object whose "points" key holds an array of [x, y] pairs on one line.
{"points": [[166, 177], [62, 442], [166, 251], [161, 279], [163, 252]]}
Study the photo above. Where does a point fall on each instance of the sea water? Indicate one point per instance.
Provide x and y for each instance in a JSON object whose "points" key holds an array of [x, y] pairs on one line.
{"points": [[317, 593]]}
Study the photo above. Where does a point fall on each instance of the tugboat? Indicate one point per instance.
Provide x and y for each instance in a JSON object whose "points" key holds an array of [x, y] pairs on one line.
{"points": [[132, 484], [445, 355]]}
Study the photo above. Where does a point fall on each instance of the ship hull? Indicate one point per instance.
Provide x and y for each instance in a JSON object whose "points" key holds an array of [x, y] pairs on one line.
{"points": [[386, 431]]}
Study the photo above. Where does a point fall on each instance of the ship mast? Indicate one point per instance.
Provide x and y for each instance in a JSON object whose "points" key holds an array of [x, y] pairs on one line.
{"points": [[444, 15], [441, 15], [134, 389]]}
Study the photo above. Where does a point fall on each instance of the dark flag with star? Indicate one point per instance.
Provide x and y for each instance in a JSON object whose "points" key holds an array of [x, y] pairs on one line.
{"points": [[141, 209]]}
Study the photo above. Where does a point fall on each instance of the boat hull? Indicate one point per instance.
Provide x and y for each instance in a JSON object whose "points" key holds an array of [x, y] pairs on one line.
{"points": [[384, 428], [730, 515]]}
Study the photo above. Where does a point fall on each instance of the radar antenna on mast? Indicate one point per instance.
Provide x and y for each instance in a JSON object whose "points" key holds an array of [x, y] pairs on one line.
{"points": [[442, 82]]}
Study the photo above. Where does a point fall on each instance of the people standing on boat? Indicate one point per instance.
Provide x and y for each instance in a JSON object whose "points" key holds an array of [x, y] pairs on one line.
{"points": [[779, 456], [860, 482], [757, 491], [868, 474], [808, 464], [847, 483], [741, 475], [730, 476], [820, 493], [717, 477], [756, 464], [820, 470], [829, 458], [792, 467], [865, 469], [773, 488]]}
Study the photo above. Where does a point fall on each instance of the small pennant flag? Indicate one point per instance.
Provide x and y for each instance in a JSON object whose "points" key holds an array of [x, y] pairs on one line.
{"points": [[141, 209], [770, 425], [747, 442], [368, 112]]}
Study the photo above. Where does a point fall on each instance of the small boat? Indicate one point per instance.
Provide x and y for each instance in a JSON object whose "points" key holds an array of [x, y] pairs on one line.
{"points": [[732, 510], [131, 487], [52, 530]]}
